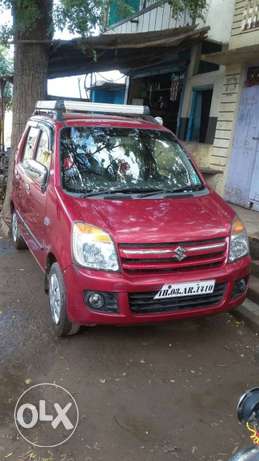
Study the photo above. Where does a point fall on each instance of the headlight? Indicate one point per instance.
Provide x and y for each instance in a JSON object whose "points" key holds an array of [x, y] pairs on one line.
{"points": [[239, 244], [94, 248]]}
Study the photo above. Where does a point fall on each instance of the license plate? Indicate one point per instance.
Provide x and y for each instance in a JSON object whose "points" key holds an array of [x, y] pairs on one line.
{"points": [[175, 290]]}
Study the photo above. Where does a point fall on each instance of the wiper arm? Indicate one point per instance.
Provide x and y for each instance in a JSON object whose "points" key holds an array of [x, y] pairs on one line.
{"points": [[145, 192], [193, 188], [157, 192], [174, 191], [91, 193], [123, 190]]}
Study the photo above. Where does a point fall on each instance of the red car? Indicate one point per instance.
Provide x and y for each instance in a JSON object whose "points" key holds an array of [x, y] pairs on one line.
{"points": [[121, 221]]}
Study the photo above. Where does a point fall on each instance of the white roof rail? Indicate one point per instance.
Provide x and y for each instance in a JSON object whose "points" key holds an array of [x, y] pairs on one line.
{"points": [[63, 105]]}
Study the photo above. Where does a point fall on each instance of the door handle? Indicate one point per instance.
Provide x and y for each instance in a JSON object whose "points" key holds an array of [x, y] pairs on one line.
{"points": [[27, 187], [255, 139]]}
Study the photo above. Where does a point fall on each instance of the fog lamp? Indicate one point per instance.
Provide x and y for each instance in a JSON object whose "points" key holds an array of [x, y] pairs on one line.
{"points": [[239, 288], [95, 300], [241, 285]]}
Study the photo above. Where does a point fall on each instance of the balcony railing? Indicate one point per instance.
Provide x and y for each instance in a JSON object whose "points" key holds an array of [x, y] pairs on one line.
{"points": [[153, 15]]}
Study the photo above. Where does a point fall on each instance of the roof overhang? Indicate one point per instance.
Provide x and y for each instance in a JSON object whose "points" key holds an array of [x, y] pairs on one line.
{"points": [[244, 55], [125, 52]]}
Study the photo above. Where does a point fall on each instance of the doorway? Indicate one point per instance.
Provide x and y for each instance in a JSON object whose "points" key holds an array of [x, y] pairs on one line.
{"points": [[200, 113], [242, 185]]}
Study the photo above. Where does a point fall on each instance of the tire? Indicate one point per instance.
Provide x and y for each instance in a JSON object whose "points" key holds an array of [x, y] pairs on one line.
{"points": [[58, 304], [17, 239]]}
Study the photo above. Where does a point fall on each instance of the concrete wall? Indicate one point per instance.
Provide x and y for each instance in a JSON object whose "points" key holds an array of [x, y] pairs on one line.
{"points": [[200, 152], [215, 80], [211, 79], [219, 16], [229, 106]]}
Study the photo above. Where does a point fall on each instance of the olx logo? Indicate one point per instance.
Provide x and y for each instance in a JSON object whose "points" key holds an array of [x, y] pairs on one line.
{"points": [[46, 415]]}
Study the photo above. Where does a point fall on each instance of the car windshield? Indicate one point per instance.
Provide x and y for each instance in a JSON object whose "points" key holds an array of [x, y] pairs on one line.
{"points": [[105, 160]]}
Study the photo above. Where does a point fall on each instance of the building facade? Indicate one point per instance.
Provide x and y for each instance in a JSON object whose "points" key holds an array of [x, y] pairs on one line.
{"points": [[236, 145], [207, 93], [185, 89]]}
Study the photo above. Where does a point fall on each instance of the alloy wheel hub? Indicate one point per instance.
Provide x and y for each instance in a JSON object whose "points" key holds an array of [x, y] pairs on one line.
{"points": [[55, 299]]}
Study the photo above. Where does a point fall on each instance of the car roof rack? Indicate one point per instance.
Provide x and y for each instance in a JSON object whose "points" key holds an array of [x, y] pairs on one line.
{"points": [[57, 108]]}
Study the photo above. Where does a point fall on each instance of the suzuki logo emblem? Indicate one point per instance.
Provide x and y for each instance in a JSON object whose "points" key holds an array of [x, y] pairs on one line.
{"points": [[180, 253]]}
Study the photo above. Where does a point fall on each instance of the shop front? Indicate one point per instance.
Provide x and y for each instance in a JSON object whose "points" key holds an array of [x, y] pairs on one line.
{"points": [[161, 92]]}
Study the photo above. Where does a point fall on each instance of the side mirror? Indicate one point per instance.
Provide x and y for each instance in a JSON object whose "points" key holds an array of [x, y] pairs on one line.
{"points": [[37, 172], [159, 120]]}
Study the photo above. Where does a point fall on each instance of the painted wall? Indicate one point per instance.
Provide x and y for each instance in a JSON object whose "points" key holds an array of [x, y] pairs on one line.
{"points": [[235, 76], [219, 17], [228, 110], [213, 80], [242, 185]]}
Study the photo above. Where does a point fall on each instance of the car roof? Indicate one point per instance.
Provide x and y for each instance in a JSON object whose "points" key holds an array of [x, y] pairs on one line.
{"points": [[101, 119]]}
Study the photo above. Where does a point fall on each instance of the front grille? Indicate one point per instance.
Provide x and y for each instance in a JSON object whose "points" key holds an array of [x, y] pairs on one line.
{"points": [[172, 257], [144, 303]]}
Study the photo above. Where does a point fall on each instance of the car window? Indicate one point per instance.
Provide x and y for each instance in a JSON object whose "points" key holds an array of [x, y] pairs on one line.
{"points": [[95, 158], [43, 154], [30, 143]]}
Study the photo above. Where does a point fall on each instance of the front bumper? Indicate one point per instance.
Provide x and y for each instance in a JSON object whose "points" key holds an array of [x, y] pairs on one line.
{"points": [[78, 280]]}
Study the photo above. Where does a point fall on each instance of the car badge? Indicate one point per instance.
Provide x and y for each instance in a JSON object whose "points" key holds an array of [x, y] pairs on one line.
{"points": [[180, 253]]}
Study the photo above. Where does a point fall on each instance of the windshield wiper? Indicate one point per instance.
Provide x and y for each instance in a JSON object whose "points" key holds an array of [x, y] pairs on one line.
{"points": [[145, 192], [174, 191], [123, 190], [193, 188]]}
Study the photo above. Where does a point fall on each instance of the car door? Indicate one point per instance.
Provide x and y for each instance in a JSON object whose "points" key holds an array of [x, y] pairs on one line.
{"points": [[37, 194], [25, 153]]}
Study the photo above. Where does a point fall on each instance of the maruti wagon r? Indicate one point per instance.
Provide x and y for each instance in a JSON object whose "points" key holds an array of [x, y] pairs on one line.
{"points": [[121, 221]]}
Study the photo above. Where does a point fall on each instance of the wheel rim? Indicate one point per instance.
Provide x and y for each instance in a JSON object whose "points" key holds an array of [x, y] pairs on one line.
{"points": [[55, 299], [15, 228]]}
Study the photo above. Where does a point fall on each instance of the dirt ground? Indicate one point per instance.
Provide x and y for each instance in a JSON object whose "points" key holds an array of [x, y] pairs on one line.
{"points": [[152, 393]]}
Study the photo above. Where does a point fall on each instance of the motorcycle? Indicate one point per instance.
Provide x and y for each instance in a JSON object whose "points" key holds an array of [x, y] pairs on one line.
{"points": [[248, 414]]}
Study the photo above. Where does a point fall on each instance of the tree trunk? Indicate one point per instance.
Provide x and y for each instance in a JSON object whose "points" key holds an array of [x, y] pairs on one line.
{"points": [[30, 78]]}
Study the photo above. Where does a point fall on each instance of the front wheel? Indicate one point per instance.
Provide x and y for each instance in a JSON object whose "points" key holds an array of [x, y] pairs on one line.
{"points": [[17, 239], [58, 304]]}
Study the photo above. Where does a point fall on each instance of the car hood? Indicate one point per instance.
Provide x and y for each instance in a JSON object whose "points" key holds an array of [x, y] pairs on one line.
{"points": [[178, 219]]}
